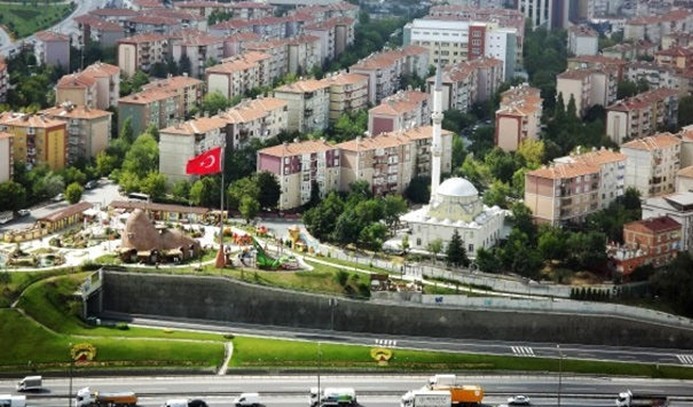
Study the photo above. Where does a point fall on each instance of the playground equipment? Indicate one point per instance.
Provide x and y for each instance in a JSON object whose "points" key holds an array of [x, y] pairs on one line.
{"points": [[301, 241], [266, 262]]}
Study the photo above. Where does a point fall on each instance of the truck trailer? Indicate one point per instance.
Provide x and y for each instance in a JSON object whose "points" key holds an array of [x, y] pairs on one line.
{"points": [[88, 398], [8, 400], [426, 398], [333, 396], [630, 399], [30, 383]]}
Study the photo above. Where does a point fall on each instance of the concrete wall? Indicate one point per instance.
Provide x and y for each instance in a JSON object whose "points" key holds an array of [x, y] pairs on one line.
{"points": [[232, 301]]}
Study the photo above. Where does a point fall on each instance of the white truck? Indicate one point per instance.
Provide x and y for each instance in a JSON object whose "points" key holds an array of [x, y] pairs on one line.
{"points": [[630, 399], [247, 399], [8, 400], [333, 396], [426, 398], [185, 403], [442, 380], [30, 383]]}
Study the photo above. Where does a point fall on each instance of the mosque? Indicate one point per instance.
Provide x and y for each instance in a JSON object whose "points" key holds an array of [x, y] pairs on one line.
{"points": [[455, 204]]}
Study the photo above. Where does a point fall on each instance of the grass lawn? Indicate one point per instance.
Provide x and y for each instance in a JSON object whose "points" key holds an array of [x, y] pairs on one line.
{"points": [[26, 20], [12, 284]]}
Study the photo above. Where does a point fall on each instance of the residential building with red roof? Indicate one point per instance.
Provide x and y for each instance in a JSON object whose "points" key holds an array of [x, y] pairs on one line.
{"points": [[678, 206], [654, 27], [656, 76], [582, 40], [335, 34], [52, 48], [97, 30], [652, 164], [684, 179], [199, 47], [300, 167], [676, 57], [642, 115], [237, 75], [469, 82], [597, 61], [309, 104], [189, 91], [518, 118], [88, 129], [401, 111], [97, 86], [630, 51], [233, 43], [262, 118], [588, 87], [141, 51], [386, 69], [348, 92], [37, 139], [655, 241]]}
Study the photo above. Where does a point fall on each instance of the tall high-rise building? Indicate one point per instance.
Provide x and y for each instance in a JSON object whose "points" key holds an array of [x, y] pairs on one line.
{"points": [[548, 13]]}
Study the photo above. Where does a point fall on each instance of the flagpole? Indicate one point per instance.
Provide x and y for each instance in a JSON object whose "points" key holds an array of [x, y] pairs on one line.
{"points": [[221, 256]]}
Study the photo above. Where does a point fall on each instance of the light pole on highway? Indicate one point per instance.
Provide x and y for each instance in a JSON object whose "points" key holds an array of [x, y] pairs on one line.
{"points": [[319, 401], [69, 394], [560, 372]]}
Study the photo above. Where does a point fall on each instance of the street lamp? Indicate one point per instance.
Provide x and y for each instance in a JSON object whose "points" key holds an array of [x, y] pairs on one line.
{"points": [[319, 401], [560, 372], [69, 394]]}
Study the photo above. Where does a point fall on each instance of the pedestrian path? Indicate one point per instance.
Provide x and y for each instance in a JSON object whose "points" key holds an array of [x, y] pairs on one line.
{"points": [[685, 359], [228, 353], [524, 351]]}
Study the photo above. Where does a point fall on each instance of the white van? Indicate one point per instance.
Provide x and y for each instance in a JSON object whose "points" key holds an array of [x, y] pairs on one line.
{"points": [[247, 399], [8, 400], [30, 383]]}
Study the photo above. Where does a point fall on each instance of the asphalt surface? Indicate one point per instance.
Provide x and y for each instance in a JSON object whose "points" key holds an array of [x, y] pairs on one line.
{"points": [[371, 390]]}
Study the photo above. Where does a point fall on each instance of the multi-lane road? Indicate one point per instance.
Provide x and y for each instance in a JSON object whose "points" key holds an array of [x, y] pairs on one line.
{"points": [[372, 390]]}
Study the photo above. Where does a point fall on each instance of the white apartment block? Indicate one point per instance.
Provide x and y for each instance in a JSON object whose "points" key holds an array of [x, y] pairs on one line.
{"points": [[278, 52], [97, 86], [641, 115], [6, 156], [309, 104], [656, 76], [386, 69], [519, 117], [200, 48], [582, 40], [299, 168], [183, 141], [348, 93], [335, 34], [469, 82], [140, 52], [401, 111], [303, 53], [652, 164], [654, 27], [678, 206], [188, 91], [238, 74], [588, 87], [261, 119]]}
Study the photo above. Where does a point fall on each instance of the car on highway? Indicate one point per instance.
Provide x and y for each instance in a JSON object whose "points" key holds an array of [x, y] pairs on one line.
{"points": [[58, 198], [23, 212], [519, 400]]}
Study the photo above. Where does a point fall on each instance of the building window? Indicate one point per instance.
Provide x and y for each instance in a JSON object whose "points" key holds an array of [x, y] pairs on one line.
{"points": [[470, 248]]}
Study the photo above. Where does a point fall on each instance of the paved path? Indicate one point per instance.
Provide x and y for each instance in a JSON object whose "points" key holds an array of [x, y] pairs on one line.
{"points": [[228, 353]]}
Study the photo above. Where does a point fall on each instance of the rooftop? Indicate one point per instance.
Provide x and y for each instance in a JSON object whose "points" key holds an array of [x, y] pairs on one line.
{"points": [[659, 224], [303, 86], [300, 148], [562, 171], [75, 112], [651, 143], [29, 120]]}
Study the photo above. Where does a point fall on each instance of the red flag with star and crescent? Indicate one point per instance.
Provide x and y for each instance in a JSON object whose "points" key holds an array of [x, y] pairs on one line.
{"points": [[206, 163]]}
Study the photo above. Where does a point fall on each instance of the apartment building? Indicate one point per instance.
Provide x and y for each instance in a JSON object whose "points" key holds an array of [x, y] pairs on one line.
{"points": [[246, 10], [657, 239], [684, 179], [4, 80], [303, 54], [237, 75], [335, 34], [686, 136], [188, 91], [642, 115], [200, 48], [6, 156], [348, 92], [519, 117], [459, 84], [677, 39], [52, 48], [630, 51], [389, 161], [588, 87], [309, 104], [161, 108], [678, 206], [300, 167], [261, 119], [278, 52], [455, 41], [655, 27], [37, 139], [96, 30], [582, 40], [652, 164], [88, 129], [233, 43], [545, 13], [656, 76], [97, 86], [180, 142], [386, 69], [399, 112], [598, 62], [675, 57], [141, 51]]}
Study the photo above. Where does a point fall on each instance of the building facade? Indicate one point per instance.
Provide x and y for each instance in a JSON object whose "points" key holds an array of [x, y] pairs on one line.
{"points": [[37, 139], [140, 52], [6, 156], [237, 75], [309, 104], [88, 130], [53, 49], [678, 206], [652, 164], [401, 111], [518, 118], [97, 86], [348, 93], [642, 115]]}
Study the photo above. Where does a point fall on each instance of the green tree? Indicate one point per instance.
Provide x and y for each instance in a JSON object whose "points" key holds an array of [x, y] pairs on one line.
{"points": [[418, 191], [394, 206], [349, 125], [321, 220], [49, 186], [497, 194], [435, 247], [269, 189], [488, 261], [459, 152], [373, 236], [73, 174], [552, 244], [154, 185], [249, 208], [127, 133], [456, 254], [73, 193], [214, 102], [205, 192], [181, 189], [674, 284], [241, 188], [105, 163], [531, 153], [626, 88], [184, 65], [143, 156], [12, 196]]}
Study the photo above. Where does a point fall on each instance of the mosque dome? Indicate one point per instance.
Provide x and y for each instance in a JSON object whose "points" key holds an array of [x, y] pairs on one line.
{"points": [[457, 187]]}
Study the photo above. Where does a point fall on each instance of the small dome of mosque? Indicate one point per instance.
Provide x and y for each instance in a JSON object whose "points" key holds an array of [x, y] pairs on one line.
{"points": [[457, 187]]}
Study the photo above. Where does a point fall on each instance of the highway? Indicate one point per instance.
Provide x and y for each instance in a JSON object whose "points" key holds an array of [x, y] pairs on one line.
{"points": [[371, 390]]}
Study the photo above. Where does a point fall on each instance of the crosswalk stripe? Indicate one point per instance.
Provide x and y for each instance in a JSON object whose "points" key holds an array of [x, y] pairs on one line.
{"points": [[523, 351], [685, 359]]}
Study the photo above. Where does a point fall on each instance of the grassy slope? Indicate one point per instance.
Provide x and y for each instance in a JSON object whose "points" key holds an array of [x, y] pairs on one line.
{"points": [[27, 20]]}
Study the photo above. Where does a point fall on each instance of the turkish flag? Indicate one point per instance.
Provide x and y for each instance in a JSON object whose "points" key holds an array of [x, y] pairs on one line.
{"points": [[206, 163]]}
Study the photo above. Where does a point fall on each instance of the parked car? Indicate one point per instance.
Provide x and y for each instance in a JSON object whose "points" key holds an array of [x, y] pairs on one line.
{"points": [[519, 400], [91, 184], [58, 198], [23, 212]]}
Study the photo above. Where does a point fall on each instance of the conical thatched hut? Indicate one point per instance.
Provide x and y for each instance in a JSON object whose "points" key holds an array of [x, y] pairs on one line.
{"points": [[142, 241]]}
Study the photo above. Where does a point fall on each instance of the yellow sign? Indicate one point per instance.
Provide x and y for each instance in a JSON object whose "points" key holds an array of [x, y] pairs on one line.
{"points": [[381, 355], [83, 352]]}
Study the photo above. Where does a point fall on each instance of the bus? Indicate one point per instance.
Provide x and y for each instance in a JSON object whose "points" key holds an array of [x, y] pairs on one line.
{"points": [[137, 196]]}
